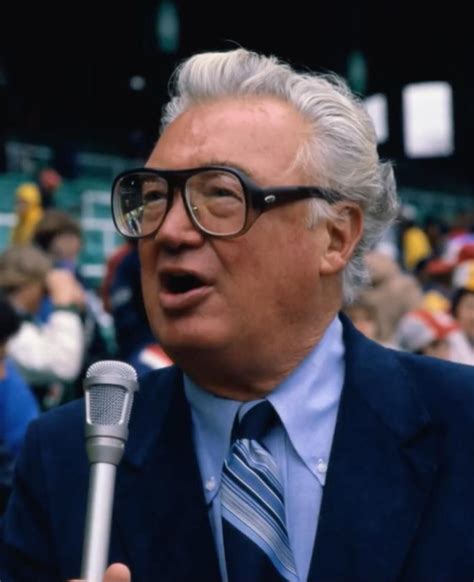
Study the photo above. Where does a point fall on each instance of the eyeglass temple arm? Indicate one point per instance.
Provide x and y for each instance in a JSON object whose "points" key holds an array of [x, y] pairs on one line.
{"points": [[274, 196]]}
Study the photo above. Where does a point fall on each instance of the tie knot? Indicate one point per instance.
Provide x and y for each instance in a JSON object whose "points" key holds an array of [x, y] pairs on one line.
{"points": [[256, 422]]}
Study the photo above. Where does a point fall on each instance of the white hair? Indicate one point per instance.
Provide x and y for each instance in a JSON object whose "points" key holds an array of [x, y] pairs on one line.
{"points": [[341, 153]]}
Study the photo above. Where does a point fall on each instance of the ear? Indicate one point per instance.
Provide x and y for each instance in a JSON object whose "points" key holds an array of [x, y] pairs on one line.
{"points": [[344, 232]]}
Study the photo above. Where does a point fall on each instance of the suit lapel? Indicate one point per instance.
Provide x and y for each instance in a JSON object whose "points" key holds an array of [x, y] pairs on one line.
{"points": [[380, 472], [162, 521]]}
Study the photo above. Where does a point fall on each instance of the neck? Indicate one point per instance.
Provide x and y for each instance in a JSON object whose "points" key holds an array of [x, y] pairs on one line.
{"points": [[249, 372]]}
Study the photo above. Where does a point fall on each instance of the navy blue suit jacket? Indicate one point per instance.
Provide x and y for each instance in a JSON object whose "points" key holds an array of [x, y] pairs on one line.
{"points": [[398, 504]]}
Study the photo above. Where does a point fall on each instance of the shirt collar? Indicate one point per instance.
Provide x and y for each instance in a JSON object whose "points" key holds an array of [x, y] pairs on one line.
{"points": [[306, 402], [308, 399], [213, 418]]}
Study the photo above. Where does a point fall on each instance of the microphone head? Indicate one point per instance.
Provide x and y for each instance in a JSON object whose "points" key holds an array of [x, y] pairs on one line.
{"points": [[109, 387]]}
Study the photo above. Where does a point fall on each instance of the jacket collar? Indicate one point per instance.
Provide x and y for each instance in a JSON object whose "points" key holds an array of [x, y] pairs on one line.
{"points": [[380, 472]]}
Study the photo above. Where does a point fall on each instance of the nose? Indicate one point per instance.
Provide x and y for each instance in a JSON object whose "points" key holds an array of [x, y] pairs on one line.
{"points": [[177, 229]]}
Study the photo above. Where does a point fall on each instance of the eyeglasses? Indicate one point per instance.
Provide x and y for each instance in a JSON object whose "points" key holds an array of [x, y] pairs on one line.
{"points": [[220, 201]]}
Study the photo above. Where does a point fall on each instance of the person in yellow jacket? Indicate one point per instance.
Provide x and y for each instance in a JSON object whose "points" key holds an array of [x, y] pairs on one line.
{"points": [[414, 242], [416, 246], [28, 211]]}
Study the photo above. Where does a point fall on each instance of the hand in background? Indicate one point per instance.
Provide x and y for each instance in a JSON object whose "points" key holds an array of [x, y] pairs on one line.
{"points": [[115, 573], [64, 289]]}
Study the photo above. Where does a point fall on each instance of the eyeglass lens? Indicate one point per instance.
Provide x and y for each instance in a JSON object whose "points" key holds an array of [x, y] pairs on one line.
{"points": [[215, 199]]}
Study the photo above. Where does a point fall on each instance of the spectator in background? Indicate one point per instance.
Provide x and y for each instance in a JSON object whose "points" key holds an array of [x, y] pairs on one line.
{"points": [[440, 276], [135, 341], [427, 333], [435, 278], [463, 276], [459, 246], [17, 403], [463, 311], [436, 231], [414, 243], [18, 406], [49, 181], [28, 212], [392, 293], [52, 351], [364, 316], [59, 234], [113, 261]]}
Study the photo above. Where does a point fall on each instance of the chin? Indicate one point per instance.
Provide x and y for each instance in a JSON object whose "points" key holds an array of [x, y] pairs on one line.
{"points": [[180, 337]]}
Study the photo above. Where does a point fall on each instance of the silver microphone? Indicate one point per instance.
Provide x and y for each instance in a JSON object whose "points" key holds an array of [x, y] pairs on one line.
{"points": [[109, 390]]}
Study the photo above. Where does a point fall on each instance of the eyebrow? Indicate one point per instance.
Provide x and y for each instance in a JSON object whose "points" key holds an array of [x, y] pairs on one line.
{"points": [[217, 162]]}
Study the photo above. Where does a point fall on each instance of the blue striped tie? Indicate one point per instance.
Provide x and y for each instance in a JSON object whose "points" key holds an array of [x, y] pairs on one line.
{"points": [[257, 547]]}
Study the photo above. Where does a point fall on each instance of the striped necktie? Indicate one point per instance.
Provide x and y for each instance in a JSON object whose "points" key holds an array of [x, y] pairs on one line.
{"points": [[256, 543]]}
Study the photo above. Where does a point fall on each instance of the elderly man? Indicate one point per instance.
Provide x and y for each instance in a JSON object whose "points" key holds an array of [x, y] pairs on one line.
{"points": [[284, 445]]}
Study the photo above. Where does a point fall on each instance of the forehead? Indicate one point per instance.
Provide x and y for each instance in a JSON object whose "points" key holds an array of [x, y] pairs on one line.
{"points": [[260, 135]]}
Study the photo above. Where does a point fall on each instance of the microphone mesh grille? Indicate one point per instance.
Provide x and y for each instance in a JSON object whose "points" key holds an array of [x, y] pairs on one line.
{"points": [[112, 367], [107, 401], [106, 404]]}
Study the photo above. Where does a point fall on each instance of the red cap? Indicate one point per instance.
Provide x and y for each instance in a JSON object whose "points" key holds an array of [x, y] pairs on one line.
{"points": [[439, 266], [466, 252]]}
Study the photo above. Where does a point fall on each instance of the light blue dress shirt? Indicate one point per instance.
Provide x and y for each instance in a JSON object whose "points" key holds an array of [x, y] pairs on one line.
{"points": [[307, 402]]}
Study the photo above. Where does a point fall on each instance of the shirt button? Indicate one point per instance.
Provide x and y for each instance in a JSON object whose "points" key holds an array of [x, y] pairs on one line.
{"points": [[321, 466], [210, 484]]}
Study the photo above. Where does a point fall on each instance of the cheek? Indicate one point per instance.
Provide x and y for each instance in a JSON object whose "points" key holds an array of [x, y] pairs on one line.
{"points": [[244, 274], [274, 274]]}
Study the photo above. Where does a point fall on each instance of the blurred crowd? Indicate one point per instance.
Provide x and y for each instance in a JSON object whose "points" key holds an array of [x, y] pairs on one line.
{"points": [[53, 326], [421, 294]]}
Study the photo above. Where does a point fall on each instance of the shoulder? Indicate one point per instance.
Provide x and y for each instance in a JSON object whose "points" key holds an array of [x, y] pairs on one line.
{"points": [[401, 382], [445, 387]]}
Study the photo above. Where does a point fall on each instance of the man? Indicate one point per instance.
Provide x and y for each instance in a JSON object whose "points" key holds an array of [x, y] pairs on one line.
{"points": [[257, 204]]}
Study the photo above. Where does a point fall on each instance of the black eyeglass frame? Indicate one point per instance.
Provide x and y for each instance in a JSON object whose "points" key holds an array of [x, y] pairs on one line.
{"points": [[257, 199]]}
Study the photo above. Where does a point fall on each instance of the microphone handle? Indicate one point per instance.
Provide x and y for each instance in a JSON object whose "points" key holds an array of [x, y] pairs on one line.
{"points": [[98, 521]]}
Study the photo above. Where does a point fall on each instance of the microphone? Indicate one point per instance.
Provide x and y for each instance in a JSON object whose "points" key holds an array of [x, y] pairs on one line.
{"points": [[109, 390]]}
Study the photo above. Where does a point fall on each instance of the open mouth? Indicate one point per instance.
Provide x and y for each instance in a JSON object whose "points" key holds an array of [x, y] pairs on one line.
{"points": [[180, 283]]}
